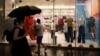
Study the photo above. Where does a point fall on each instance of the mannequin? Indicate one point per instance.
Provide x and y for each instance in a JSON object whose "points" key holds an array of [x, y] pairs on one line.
{"points": [[28, 26]]}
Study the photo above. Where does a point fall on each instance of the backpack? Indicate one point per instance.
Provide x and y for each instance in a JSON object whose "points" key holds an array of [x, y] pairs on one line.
{"points": [[9, 35]]}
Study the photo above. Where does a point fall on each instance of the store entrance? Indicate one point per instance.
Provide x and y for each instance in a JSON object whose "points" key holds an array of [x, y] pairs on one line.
{"points": [[65, 22]]}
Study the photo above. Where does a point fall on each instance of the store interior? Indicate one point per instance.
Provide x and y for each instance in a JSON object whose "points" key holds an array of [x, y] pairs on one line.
{"points": [[55, 9]]}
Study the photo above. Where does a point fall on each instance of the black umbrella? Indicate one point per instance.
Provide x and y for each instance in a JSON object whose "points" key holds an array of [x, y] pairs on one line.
{"points": [[24, 11]]}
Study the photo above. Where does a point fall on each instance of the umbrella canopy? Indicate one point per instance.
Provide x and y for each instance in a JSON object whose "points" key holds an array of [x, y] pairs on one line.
{"points": [[24, 11]]}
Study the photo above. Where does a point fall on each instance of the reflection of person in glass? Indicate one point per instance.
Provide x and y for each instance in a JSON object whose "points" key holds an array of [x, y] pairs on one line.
{"points": [[81, 35]]}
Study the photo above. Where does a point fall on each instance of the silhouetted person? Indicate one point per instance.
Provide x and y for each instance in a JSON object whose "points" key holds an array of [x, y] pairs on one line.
{"points": [[20, 45]]}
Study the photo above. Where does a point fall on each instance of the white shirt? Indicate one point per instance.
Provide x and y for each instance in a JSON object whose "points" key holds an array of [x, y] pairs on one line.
{"points": [[81, 21], [65, 27], [40, 29]]}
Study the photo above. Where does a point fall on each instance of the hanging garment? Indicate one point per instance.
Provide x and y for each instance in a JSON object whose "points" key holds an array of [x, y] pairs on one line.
{"points": [[28, 26], [60, 21]]}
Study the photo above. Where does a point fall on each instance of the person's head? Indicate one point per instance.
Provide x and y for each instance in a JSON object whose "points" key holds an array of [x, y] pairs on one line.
{"points": [[20, 20], [15, 22], [38, 21]]}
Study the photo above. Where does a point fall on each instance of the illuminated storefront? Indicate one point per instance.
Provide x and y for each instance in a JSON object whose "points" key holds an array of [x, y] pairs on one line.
{"points": [[55, 10]]}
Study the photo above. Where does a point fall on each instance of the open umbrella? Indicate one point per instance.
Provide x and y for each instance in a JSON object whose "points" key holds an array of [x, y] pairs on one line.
{"points": [[24, 11]]}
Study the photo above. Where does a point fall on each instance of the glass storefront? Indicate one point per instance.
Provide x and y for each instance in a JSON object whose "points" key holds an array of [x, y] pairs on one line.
{"points": [[85, 25], [66, 23]]}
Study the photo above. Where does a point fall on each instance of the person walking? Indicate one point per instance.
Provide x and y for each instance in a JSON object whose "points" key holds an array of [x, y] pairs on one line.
{"points": [[20, 46], [39, 27]]}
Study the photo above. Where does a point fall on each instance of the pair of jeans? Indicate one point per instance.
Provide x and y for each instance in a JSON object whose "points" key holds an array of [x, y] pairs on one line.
{"points": [[81, 36], [70, 34]]}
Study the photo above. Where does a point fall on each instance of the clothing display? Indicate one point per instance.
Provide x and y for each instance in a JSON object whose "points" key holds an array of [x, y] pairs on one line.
{"points": [[28, 26]]}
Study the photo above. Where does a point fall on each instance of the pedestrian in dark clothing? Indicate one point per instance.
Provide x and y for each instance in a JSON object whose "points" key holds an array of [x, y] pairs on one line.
{"points": [[20, 46]]}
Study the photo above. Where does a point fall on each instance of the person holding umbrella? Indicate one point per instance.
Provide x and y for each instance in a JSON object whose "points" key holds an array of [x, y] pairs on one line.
{"points": [[20, 45]]}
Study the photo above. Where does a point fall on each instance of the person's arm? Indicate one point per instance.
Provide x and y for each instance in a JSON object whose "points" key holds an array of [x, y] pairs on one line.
{"points": [[15, 36], [4, 34]]}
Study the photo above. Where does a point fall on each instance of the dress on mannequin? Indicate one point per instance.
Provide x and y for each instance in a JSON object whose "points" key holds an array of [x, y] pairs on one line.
{"points": [[28, 26]]}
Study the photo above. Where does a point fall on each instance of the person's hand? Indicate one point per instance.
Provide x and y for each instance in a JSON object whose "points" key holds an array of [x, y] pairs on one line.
{"points": [[25, 34]]}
